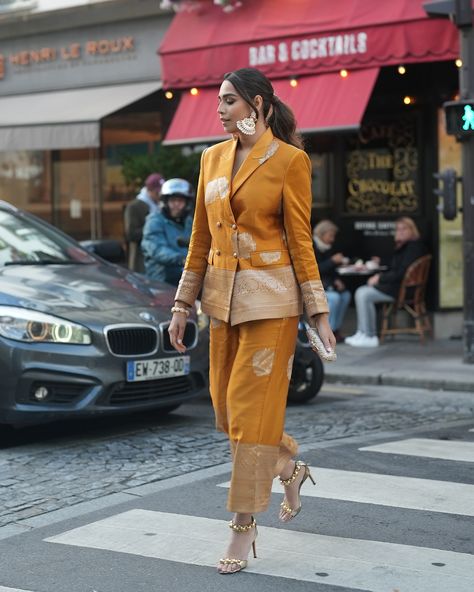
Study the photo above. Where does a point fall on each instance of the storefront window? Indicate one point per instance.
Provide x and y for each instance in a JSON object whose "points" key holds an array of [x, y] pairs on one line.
{"points": [[323, 192], [450, 231], [134, 136], [25, 181], [382, 169], [74, 191]]}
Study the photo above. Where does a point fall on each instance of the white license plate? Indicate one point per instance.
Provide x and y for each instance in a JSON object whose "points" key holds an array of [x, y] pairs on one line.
{"points": [[158, 368]]}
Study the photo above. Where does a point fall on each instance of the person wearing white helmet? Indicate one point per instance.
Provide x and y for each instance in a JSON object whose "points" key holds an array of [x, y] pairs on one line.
{"points": [[166, 233]]}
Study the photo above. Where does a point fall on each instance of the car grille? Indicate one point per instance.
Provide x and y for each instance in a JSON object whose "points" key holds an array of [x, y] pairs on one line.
{"points": [[189, 338], [139, 392], [132, 341]]}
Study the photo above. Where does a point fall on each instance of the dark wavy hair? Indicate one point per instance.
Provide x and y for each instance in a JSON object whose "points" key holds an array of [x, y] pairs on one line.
{"points": [[250, 82]]}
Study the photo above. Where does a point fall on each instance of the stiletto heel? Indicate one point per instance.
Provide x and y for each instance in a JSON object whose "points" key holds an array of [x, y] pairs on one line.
{"points": [[293, 512], [240, 563]]}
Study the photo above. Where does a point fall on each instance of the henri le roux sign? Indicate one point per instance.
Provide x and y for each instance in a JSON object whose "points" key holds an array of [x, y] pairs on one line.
{"points": [[308, 49], [72, 51], [109, 53]]}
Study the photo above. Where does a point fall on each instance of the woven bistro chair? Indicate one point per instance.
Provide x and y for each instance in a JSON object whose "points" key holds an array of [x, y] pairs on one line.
{"points": [[411, 298]]}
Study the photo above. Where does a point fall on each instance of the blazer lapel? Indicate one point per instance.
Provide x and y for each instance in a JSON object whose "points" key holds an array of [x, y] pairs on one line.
{"points": [[260, 153], [226, 162]]}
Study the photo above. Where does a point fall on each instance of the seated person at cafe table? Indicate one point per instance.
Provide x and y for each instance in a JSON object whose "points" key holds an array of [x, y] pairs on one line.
{"points": [[324, 235], [384, 287]]}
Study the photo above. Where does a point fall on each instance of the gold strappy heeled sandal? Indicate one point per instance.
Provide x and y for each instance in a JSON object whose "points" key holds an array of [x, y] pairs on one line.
{"points": [[240, 563], [293, 512]]}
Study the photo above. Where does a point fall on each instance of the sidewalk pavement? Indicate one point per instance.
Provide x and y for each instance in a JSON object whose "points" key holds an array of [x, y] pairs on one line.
{"points": [[437, 365]]}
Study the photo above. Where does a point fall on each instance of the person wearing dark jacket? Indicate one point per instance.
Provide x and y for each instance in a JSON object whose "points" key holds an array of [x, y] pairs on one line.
{"points": [[384, 287], [324, 235], [146, 202]]}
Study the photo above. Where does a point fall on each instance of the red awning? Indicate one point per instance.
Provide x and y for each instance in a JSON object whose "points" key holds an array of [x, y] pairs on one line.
{"points": [[321, 103], [329, 102], [196, 120], [296, 38]]}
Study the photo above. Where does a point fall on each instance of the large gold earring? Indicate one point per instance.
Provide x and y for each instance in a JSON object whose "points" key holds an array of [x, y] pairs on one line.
{"points": [[247, 124]]}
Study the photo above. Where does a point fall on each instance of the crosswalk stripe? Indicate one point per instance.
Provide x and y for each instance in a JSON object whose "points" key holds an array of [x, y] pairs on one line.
{"points": [[353, 563], [388, 490], [4, 589], [444, 449]]}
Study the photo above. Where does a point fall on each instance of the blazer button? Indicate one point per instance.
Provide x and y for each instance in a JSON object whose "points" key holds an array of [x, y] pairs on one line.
{"points": [[219, 224], [218, 252], [234, 226], [235, 255]]}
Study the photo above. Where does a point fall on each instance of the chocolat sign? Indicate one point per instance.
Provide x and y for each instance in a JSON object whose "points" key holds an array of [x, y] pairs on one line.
{"points": [[312, 48], [383, 169]]}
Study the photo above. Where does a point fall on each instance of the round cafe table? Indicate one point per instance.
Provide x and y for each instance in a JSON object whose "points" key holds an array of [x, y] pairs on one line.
{"points": [[359, 270], [354, 276]]}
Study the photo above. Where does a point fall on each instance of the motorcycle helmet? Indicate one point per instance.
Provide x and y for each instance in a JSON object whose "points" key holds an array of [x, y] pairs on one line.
{"points": [[178, 187]]}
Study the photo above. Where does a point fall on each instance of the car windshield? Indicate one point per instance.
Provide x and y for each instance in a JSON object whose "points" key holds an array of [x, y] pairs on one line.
{"points": [[24, 241]]}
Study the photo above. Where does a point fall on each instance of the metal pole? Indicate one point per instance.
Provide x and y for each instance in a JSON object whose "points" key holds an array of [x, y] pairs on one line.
{"points": [[467, 92]]}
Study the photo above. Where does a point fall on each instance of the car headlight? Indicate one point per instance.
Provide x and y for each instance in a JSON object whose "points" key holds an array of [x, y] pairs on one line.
{"points": [[23, 324]]}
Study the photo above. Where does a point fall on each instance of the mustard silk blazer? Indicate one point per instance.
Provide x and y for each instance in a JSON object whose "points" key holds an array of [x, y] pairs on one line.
{"points": [[251, 248]]}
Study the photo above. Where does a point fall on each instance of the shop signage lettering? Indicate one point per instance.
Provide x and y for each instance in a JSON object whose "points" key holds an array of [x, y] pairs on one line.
{"points": [[357, 187], [308, 49], [72, 51], [382, 170], [379, 228]]}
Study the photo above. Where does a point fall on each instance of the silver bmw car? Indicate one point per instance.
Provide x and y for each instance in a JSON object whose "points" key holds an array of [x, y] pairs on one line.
{"points": [[80, 335]]}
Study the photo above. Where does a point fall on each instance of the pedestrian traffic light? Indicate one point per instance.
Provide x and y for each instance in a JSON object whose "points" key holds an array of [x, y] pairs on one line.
{"points": [[447, 191], [460, 11], [459, 117]]}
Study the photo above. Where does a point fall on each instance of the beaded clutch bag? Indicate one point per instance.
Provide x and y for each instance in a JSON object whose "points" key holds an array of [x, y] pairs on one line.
{"points": [[318, 346]]}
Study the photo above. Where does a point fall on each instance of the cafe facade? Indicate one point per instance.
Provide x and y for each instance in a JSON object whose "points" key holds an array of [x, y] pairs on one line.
{"points": [[79, 89], [366, 81]]}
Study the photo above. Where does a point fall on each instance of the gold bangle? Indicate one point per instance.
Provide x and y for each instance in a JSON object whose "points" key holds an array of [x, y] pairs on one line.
{"points": [[181, 310]]}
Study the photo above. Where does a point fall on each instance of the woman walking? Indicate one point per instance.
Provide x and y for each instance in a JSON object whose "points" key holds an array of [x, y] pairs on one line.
{"points": [[251, 253]]}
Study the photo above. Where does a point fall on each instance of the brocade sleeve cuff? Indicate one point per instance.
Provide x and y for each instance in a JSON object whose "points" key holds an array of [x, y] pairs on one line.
{"points": [[188, 287], [314, 297]]}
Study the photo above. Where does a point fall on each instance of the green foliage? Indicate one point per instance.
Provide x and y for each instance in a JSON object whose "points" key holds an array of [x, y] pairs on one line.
{"points": [[168, 160]]}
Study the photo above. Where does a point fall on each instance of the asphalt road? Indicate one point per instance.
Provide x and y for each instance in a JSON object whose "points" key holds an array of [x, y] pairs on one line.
{"points": [[138, 503]]}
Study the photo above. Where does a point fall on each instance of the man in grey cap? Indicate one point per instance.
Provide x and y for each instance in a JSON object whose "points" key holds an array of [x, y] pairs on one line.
{"points": [[135, 214]]}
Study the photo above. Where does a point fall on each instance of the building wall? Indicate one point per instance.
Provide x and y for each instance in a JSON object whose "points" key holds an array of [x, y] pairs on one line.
{"points": [[111, 42]]}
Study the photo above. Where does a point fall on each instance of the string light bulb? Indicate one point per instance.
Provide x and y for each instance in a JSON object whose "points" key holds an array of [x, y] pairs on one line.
{"points": [[194, 91], [402, 70], [343, 73], [293, 82], [169, 95], [458, 63], [408, 100]]}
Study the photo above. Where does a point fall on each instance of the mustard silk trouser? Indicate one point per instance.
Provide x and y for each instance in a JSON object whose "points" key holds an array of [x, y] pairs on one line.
{"points": [[250, 370]]}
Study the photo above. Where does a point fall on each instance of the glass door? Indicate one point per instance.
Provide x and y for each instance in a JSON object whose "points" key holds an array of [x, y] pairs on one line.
{"points": [[76, 200]]}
